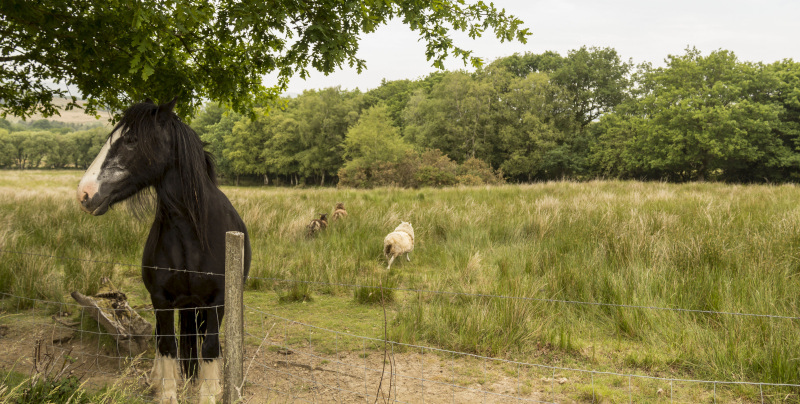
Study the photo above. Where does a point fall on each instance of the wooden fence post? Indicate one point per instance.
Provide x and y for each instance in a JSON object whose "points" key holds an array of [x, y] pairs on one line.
{"points": [[234, 316]]}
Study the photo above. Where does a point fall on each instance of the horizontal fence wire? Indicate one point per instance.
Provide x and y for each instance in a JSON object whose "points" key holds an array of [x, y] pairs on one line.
{"points": [[108, 262], [351, 370], [535, 299], [64, 307], [511, 362], [394, 374], [265, 368], [438, 292]]}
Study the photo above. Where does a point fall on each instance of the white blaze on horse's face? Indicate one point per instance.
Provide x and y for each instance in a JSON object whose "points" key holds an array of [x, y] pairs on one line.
{"points": [[98, 174]]}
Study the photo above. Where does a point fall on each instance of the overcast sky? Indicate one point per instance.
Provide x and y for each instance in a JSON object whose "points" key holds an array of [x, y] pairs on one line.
{"points": [[641, 30]]}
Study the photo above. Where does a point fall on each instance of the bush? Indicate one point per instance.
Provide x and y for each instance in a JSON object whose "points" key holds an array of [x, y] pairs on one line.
{"points": [[469, 179], [478, 172], [430, 168], [354, 176]]}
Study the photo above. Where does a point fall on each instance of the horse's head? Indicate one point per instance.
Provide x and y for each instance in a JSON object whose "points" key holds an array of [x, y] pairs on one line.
{"points": [[135, 154]]}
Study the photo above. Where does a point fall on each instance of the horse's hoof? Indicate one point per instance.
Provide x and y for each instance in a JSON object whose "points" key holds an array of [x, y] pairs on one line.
{"points": [[166, 397], [165, 378], [209, 377], [167, 400], [208, 400]]}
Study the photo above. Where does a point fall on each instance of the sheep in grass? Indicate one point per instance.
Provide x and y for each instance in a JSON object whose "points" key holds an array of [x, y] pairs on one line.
{"points": [[398, 242], [339, 212], [317, 225]]}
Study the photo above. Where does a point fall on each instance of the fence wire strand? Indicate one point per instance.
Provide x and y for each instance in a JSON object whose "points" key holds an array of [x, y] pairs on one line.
{"points": [[511, 362], [111, 263], [535, 299], [426, 291]]}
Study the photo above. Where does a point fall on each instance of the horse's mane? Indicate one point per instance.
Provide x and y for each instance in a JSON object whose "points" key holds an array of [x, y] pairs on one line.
{"points": [[195, 166]]}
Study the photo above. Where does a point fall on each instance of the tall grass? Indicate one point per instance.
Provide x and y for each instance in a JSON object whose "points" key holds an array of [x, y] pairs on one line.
{"points": [[707, 247], [39, 218]]}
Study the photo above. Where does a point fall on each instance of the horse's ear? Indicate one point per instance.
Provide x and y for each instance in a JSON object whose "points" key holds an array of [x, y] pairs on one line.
{"points": [[148, 100], [167, 107]]}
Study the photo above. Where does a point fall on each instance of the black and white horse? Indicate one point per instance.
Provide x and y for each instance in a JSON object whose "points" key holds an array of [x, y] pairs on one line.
{"points": [[151, 148]]}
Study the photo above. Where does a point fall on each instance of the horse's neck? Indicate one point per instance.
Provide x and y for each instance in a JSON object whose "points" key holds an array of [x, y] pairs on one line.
{"points": [[177, 202]]}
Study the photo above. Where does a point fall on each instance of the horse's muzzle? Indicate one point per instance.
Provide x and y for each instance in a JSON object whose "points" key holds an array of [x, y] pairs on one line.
{"points": [[93, 203]]}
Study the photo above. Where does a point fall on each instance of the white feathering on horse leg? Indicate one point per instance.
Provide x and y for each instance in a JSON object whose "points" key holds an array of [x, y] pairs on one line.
{"points": [[165, 378], [209, 381]]}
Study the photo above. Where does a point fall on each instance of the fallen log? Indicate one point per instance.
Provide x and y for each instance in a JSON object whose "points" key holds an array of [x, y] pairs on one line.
{"points": [[125, 325]]}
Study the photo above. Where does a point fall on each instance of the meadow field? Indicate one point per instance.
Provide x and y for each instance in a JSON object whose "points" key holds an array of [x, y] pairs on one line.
{"points": [[544, 273]]}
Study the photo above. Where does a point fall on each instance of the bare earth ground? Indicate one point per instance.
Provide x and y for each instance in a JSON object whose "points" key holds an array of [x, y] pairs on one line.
{"points": [[350, 378], [301, 373], [277, 375]]}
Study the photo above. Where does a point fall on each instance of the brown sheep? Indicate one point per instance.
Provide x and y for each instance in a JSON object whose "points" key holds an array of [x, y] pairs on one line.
{"points": [[317, 225], [339, 212]]}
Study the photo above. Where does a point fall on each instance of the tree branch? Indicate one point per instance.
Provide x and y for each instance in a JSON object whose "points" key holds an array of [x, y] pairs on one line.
{"points": [[16, 58]]}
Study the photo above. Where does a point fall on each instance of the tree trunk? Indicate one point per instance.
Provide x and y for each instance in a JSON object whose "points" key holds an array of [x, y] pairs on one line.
{"points": [[266, 179], [701, 173], [237, 180], [322, 183]]}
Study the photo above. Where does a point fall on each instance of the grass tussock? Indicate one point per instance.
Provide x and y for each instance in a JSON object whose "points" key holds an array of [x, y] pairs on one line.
{"points": [[57, 378], [380, 291], [706, 247], [296, 292]]}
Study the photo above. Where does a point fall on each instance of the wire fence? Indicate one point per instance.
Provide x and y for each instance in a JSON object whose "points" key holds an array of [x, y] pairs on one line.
{"points": [[444, 371], [286, 360]]}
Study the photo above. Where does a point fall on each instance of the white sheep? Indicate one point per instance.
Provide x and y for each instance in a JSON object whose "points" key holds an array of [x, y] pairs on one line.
{"points": [[400, 241]]}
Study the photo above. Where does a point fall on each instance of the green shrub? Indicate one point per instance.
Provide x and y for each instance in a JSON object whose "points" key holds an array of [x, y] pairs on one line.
{"points": [[478, 172], [430, 168]]}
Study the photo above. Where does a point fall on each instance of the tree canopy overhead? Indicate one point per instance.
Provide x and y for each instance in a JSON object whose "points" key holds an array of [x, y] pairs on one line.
{"points": [[116, 52]]}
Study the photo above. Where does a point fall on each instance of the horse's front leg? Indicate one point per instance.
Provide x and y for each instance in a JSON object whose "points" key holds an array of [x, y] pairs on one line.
{"points": [[210, 364], [166, 375]]}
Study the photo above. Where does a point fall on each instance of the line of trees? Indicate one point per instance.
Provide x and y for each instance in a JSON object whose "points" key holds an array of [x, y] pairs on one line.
{"points": [[532, 117], [47, 144], [526, 117]]}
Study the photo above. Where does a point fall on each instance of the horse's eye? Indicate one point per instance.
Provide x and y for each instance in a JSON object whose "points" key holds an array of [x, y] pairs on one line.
{"points": [[129, 140]]}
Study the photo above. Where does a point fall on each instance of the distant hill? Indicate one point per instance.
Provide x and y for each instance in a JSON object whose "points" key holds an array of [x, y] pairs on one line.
{"points": [[76, 115]]}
